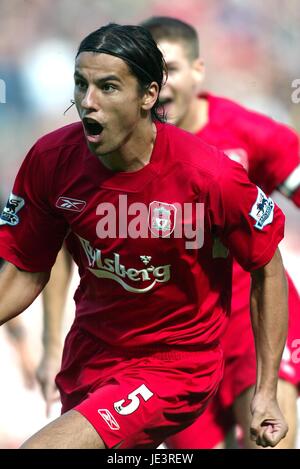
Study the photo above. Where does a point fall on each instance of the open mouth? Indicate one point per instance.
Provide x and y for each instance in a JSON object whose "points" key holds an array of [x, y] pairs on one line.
{"points": [[92, 127]]}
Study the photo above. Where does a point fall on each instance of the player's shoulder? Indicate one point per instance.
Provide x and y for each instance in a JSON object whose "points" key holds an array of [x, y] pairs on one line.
{"points": [[245, 120], [190, 153], [61, 138], [204, 165]]}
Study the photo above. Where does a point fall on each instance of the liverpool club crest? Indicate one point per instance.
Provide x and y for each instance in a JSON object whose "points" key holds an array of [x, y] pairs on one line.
{"points": [[162, 218]]}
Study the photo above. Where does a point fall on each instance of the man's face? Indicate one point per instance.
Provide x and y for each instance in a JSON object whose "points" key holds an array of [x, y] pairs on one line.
{"points": [[184, 78], [107, 100]]}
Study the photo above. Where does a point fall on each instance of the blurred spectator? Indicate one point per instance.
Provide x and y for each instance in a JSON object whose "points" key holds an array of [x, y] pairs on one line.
{"points": [[43, 69]]}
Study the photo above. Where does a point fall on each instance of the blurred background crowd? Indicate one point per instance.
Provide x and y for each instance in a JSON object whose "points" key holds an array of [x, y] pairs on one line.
{"points": [[251, 49]]}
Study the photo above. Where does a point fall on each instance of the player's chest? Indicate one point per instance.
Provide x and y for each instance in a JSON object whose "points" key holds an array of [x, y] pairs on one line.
{"points": [[164, 216]]}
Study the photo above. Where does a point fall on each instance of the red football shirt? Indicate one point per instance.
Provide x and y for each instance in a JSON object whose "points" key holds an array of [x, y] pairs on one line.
{"points": [[151, 290], [268, 150]]}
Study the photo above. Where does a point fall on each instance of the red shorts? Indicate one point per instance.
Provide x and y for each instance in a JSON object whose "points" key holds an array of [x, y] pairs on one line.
{"points": [[136, 400], [240, 371]]}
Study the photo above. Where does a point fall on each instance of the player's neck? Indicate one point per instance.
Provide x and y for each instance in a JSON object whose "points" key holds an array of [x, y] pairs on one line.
{"points": [[197, 117], [135, 153]]}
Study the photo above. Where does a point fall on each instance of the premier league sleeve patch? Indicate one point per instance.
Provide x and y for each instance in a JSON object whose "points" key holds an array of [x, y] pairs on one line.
{"points": [[262, 210], [13, 206]]}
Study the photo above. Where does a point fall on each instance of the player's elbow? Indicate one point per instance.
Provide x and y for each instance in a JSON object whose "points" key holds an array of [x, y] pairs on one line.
{"points": [[274, 268]]}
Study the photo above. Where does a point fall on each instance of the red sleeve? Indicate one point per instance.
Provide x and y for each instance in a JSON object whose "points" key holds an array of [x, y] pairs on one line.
{"points": [[30, 233], [295, 197], [278, 156], [248, 222], [290, 187]]}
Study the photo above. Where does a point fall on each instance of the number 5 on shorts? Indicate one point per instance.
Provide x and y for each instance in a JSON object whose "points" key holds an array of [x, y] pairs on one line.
{"points": [[135, 400]]}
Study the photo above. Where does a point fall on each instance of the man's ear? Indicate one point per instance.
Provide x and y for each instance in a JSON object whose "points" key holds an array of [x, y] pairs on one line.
{"points": [[198, 70], [150, 96]]}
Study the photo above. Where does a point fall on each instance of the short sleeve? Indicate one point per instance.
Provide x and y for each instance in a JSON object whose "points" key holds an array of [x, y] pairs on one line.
{"points": [[295, 197], [290, 186], [279, 149], [247, 221], [31, 234]]}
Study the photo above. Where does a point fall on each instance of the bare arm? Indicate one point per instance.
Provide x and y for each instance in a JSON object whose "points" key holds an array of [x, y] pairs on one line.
{"points": [[54, 299], [19, 337], [18, 289], [269, 321]]}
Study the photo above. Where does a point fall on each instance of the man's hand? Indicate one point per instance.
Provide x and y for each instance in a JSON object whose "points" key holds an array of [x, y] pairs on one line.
{"points": [[269, 308], [54, 300], [27, 368], [46, 372], [268, 425], [19, 339]]}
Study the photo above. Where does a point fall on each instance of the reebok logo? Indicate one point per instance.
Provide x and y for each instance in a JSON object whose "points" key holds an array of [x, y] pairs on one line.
{"points": [[109, 419], [67, 203]]}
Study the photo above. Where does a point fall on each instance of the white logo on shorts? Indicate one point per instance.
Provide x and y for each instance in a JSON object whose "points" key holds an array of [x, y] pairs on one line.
{"points": [[109, 419]]}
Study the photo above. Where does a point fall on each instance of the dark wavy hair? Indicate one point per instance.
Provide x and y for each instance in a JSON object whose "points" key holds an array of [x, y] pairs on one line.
{"points": [[134, 45], [173, 29]]}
